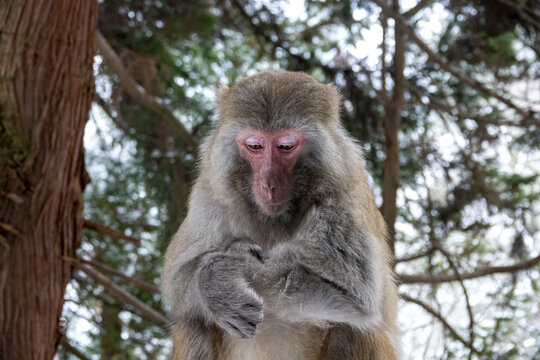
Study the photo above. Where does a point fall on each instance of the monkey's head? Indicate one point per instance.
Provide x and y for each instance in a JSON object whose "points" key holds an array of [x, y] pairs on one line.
{"points": [[273, 129]]}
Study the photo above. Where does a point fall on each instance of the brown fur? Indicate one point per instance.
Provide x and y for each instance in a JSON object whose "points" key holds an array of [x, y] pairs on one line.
{"points": [[261, 102]]}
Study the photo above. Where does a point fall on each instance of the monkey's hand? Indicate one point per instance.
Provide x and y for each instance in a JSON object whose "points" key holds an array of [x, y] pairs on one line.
{"points": [[248, 248], [232, 303]]}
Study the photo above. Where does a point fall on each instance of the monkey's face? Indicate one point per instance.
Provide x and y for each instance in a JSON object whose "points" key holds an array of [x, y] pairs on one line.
{"points": [[272, 156]]}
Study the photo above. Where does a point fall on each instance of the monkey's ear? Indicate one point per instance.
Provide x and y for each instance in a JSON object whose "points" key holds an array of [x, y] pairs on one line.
{"points": [[223, 93], [335, 100]]}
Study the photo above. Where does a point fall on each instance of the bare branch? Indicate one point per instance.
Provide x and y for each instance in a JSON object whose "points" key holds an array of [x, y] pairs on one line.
{"points": [[437, 104], [110, 232], [138, 282], [124, 296], [384, 70], [441, 278], [520, 10], [109, 111], [436, 58], [392, 123], [139, 93], [419, 6], [439, 317], [73, 350], [414, 257], [257, 30], [465, 292]]}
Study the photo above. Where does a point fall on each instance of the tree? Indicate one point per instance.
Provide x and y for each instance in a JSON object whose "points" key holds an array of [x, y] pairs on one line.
{"points": [[46, 88], [450, 138]]}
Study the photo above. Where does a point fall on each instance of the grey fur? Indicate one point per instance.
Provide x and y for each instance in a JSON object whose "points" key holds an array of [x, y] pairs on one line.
{"points": [[321, 263]]}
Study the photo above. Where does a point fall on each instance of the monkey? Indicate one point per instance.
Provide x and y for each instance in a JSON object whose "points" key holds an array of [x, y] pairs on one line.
{"points": [[283, 252]]}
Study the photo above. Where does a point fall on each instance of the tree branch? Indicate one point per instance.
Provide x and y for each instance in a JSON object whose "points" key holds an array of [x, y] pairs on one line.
{"points": [[414, 257], [110, 232], [441, 278], [436, 58], [138, 93], [520, 10], [443, 321], [392, 123], [257, 30], [125, 297], [419, 6], [73, 350], [138, 282], [465, 292], [436, 104]]}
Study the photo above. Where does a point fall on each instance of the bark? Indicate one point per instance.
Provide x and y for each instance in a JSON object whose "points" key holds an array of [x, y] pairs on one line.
{"points": [[392, 122], [46, 87]]}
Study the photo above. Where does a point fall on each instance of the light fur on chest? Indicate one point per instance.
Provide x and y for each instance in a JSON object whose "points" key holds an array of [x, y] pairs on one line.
{"points": [[277, 340]]}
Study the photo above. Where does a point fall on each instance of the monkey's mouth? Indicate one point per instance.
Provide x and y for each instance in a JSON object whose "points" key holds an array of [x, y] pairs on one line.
{"points": [[273, 208]]}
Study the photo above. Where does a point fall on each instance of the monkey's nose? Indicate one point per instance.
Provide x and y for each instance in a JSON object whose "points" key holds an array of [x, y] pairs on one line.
{"points": [[268, 190]]}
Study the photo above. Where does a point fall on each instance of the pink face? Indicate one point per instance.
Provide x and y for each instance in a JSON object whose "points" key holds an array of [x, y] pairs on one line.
{"points": [[272, 155]]}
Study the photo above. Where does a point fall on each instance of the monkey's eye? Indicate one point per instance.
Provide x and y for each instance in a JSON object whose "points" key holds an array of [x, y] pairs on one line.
{"points": [[287, 143], [254, 146], [286, 147], [253, 143]]}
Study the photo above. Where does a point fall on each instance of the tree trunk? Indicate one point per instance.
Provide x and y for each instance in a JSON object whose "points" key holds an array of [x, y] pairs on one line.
{"points": [[46, 87], [392, 123]]}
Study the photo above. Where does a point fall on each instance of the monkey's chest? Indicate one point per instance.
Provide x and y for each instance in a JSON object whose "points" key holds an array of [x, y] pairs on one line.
{"points": [[276, 340]]}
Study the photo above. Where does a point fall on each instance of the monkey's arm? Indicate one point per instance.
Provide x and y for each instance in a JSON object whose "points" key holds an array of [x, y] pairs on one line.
{"points": [[205, 283], [330, 274]]}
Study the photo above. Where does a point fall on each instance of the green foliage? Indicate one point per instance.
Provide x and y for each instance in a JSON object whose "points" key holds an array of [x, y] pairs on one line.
{"points": [[503, 46], [468, 183]]}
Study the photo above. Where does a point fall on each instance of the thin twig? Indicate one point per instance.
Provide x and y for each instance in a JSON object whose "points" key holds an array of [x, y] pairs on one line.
{"points": [[384, 25], [72, 349], [465, 293], [480, 272], [436, 58], [520, 10], [265, 34], [138, 92], [138, 282], [436, 104], [110, 232], [415, 9], [414, 257], [122, 295], [443, 321]]}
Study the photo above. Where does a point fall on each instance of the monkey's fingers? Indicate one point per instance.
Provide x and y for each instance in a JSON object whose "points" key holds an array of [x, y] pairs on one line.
{"points": [[242, 325], [243, 315], [244, 247], [238, 329]]}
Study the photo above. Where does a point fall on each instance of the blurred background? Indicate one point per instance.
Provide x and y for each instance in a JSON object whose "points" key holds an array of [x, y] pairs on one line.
{"points": [[443, 96]]}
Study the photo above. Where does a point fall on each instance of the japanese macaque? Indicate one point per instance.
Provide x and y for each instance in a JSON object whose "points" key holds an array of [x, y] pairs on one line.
{"points": [[283, 252]]}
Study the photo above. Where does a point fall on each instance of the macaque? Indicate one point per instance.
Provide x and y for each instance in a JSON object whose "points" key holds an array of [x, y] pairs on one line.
{"points": [[283, 252]]}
